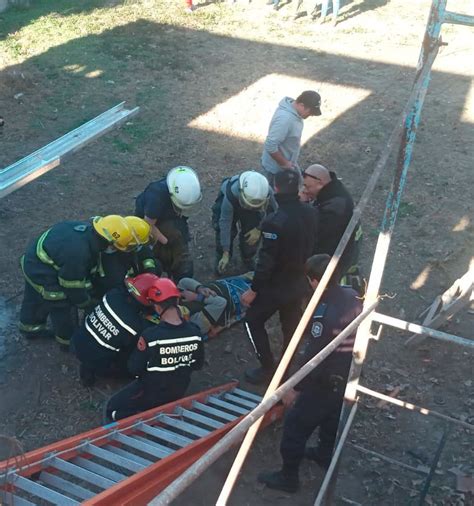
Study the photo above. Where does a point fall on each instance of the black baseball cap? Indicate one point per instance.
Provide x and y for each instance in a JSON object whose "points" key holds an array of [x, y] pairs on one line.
{"points": [[312, 100]]}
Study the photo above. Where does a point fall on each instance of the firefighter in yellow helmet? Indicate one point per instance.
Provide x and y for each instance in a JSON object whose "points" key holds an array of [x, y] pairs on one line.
{"points": [[114, 266], [58, 266]]}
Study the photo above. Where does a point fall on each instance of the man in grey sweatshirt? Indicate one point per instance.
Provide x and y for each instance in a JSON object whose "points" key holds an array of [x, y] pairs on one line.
{"points": [[283, 142]]}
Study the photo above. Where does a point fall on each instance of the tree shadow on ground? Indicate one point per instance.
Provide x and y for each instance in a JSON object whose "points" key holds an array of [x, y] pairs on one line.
{"points": [[16, 17]]}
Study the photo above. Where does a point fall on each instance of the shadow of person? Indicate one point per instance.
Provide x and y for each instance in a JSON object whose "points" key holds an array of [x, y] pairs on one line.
{"points": [[358, 7]]}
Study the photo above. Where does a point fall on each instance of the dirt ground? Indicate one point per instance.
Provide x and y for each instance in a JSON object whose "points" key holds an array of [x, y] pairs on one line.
{"points": [[207, 84]]}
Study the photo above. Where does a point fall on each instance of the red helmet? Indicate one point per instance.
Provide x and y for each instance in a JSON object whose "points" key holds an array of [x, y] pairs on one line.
{"points": [[162, 289], [140, 285]]}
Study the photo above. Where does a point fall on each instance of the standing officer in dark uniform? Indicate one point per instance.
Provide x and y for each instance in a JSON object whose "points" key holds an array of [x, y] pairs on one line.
{"points": [[58, 267], [163, 360], [319, 395], [279, 282], [166, 205], [110, 331], [335, 206]]}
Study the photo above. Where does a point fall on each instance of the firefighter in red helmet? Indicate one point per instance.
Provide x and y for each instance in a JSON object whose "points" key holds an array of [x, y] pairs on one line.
{"points": [[110, 331], [163, 359]]}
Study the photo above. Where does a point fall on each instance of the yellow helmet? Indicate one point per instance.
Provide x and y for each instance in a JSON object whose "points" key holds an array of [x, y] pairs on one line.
{"points": [[115, 230], [141, 229]]}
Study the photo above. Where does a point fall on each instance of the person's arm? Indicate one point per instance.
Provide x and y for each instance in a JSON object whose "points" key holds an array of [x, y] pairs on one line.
{"points": [[148, 262], [267, 256], [139, 357], [277, 133], [330, 228], [225, 223], [156, 233], [74, 278]]}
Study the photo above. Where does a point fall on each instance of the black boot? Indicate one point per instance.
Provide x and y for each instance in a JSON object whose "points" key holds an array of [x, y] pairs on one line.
{"points": [[259, 375], [42, 334], [316, 455], [280, 480]]}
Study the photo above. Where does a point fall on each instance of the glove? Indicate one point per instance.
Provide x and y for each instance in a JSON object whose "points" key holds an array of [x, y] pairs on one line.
{"points": [[252, 237], [223, 262]]}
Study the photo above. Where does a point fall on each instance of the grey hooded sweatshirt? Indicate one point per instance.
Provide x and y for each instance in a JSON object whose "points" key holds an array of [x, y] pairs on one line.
{"points": [[284, 134]]}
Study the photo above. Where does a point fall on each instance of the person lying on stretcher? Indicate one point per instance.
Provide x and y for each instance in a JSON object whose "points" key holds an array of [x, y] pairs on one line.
{"points": [[216, 305]]}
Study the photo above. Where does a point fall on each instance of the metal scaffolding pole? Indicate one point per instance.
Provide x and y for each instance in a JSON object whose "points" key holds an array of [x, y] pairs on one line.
{"points": [[421, 330], [413, 407], [396, 136], [428, 52]]}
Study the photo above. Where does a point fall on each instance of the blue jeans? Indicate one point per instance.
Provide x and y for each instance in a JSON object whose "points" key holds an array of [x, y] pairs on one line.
{"points": [[325, 5]]}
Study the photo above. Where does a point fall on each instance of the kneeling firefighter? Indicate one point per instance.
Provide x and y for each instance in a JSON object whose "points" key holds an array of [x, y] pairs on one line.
{"points": [[58, 267], [110, 331], [163, 360], [114, 266]]}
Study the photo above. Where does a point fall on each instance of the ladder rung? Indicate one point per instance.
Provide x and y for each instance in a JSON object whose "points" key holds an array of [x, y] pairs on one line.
{"points": [[113, 458], [165, 435], [131, 457], [213, 411], [247, 395], [80, 472], [66, 486], [192, 415], [15, 500], [41, 491], [153, 449], [239, 400], [184, 426], [98, 469], [227, 405]]}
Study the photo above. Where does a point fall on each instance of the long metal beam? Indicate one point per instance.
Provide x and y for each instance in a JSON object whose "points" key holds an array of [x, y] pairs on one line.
{"points": [[53, 154], [413, 407]]}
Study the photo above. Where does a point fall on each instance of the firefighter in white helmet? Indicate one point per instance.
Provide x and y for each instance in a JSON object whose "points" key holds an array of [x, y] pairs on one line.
{"points": [[240, 206], [166, 205]]}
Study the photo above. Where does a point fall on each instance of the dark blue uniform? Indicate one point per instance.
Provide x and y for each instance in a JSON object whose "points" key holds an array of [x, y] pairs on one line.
{"points": [[113, 267], [163, 361], [288, 237], [155, 203], [321, 392], [58, 267], [108, 334]]}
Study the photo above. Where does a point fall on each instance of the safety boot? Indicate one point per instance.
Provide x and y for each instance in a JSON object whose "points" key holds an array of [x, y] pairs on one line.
{"points": [[259, 375], [42, 334], [280, 480]]}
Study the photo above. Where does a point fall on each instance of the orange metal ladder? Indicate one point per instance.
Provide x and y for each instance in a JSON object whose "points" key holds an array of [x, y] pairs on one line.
{"points": [[130, 461]]}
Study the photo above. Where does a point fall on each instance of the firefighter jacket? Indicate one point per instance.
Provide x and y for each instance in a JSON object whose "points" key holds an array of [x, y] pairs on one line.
{"points": [[155, 203], [112, 326], [166, 355], [338, 307], [59, 263], [335, 206], [288, 240], [113, 267]]}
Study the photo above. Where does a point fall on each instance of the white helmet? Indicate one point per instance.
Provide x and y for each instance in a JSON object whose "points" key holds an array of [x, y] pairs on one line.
{"points": [[254, 190], [185, 189]]}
